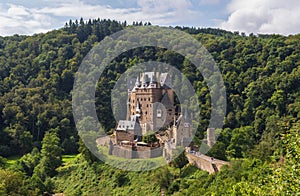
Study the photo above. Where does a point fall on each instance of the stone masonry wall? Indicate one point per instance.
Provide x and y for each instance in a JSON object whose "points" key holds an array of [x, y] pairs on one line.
{"points": [[129, 153], [204, 162]]}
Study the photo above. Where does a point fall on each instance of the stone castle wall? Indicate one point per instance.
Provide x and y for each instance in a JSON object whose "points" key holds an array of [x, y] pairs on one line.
{"points": [[124, 136], [204, 162], [134, 152]]}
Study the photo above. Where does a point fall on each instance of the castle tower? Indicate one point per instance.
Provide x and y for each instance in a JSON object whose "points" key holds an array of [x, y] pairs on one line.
{"points": [[211, 137], [151, 100], [128, 109]]}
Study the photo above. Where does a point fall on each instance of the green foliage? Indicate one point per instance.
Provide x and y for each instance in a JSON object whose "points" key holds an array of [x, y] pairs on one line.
{"points": [[2, 162], [28, 162], [82, 178], [50, 156], [241, 141], [218, 151], [11, 183], [180, 159], [86, 154], [285, 179], [150, 138]]}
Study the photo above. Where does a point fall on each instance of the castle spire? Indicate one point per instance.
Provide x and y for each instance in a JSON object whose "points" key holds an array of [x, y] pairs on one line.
{"points": [[137, 82], [144, 84], [153, 80]]}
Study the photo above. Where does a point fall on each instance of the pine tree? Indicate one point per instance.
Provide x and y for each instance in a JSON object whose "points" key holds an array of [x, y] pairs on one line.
{"points": [[50, 156]]}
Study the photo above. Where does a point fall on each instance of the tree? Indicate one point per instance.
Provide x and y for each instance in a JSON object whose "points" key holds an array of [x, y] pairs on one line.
{"points": [[2, 162], [163, 177], [179, 158], [50, 156], [150, 138], [241, 141], [218, 151], [29, 161], [285, 179], [10, 182], [87, 155]]}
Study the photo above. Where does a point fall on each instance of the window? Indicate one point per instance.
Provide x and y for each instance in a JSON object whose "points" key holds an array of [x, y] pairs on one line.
{"points": [[186, 125], [159, 113]]}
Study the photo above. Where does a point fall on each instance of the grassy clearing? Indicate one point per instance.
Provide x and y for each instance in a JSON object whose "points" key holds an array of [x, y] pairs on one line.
{"points": [[68, 158], [131, 164], [11, 161]]}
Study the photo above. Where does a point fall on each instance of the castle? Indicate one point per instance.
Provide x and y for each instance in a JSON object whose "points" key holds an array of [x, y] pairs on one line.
{"points": [[151, 111]]}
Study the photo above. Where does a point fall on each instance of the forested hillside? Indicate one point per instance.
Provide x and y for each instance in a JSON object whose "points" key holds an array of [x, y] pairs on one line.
{"points": [[260, 135]]}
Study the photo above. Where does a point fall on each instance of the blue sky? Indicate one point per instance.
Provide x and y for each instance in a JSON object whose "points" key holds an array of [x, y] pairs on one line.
{"points": [[257, 16]]}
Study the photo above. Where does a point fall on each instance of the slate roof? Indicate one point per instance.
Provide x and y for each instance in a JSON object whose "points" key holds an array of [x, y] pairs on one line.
{"points": [[165, 80], [166, 101], [129, 125], [147, 78]]}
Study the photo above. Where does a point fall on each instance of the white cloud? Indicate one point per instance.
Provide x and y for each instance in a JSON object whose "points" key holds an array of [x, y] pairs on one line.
{"points": [[20, 20], [17, 11], [209, 2], [158, 12], [154, 6], [25, 20], [263, 16]]}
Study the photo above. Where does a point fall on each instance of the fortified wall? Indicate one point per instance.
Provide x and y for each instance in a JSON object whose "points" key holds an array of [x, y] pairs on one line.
{"points": [[134, 152], [205, 163]]}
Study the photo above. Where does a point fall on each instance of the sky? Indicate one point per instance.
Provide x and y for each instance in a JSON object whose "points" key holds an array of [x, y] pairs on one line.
{"points": [[249, 16]]}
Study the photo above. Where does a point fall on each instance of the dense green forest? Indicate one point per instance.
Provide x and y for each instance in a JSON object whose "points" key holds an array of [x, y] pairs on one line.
{"points": [[260, 136]]}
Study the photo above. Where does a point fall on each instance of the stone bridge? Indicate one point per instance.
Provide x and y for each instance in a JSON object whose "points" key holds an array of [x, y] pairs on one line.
{"points": [[204, 162]]}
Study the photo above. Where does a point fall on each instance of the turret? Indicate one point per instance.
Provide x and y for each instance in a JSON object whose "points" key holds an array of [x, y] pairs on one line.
{"points": [[152, 81], [137, 83], [211, 137], [144, 82]]}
